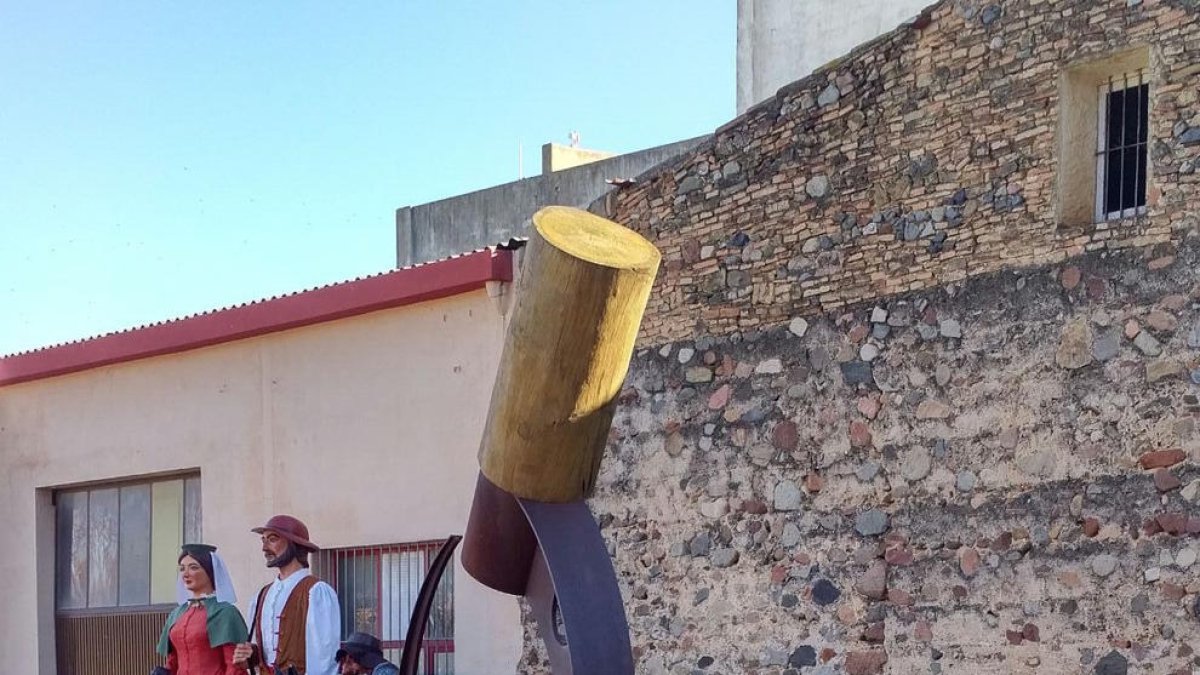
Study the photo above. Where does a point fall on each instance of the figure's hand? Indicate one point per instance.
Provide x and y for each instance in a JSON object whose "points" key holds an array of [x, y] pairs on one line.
{"points": [[242, 654]]}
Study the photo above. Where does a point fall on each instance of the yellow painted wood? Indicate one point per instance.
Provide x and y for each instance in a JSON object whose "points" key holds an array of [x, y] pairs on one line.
{"points": [[166, 537], [581, 294]]}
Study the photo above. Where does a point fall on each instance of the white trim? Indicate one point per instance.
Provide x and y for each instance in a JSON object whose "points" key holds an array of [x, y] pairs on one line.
{"points": [[1101, 148]]}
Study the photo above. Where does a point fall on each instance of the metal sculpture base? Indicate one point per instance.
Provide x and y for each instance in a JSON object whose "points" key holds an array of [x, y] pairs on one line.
{"points": [[574, 592], [554, 555]]}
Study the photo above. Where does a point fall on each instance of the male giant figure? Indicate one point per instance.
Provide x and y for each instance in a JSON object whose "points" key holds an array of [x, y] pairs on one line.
{"points": [[295, 621]]}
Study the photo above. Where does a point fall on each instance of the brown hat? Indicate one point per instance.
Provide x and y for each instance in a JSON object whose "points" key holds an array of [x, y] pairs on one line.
{"points": [[289, 528]]}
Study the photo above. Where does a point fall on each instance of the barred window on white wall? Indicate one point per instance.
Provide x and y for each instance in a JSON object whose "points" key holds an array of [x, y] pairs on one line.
{"points": [[1122, 133], [377, 587]]}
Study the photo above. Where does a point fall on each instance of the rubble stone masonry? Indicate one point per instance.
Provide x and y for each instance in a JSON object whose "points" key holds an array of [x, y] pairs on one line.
{"points": [[924, 157], [889, 412], [997, 476]]}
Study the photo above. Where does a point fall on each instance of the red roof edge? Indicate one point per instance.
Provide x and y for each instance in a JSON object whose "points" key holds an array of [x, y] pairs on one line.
{"points": [[397, 288]]}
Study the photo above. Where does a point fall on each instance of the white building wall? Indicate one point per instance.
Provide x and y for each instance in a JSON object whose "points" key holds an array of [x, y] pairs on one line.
{"points": [[366, 428], [781, 41]]}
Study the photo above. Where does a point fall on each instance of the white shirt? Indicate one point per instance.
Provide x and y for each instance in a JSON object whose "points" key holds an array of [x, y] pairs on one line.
{"points": [[321, 630]]}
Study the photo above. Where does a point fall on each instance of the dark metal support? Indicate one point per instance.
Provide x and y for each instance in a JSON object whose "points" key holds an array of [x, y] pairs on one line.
{"points": [[555, 556], [499, 545], [410, 659], [587, 615]]}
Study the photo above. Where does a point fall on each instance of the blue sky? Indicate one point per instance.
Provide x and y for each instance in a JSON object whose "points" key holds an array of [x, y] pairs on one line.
{"points": [[158, 159]]}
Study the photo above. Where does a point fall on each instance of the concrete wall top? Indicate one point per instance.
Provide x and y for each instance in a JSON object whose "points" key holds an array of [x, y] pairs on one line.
{"points": [[477, 219], [557, 157]]}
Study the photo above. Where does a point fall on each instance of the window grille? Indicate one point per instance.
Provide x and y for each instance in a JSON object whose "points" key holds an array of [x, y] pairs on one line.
{"points": [[377, 587], [1122, 133]]}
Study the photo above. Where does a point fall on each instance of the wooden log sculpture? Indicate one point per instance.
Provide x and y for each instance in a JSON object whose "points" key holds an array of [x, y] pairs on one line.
{"points": [[583, 288]]}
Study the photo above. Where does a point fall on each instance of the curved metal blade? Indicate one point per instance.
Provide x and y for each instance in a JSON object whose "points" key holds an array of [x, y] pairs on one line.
{"points": [[593, 631], [410, 659]]}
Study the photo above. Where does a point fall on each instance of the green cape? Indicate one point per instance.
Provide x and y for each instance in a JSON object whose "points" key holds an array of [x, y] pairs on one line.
{"points": [[225, 625]]}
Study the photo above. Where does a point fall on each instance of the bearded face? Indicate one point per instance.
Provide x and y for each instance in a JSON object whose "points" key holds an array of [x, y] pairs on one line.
{"points": [[288, 555], [277, 550]]}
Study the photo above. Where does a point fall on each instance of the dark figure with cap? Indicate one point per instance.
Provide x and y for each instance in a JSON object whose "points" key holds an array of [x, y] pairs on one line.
{"points": [[295, 620], [361, 654]]}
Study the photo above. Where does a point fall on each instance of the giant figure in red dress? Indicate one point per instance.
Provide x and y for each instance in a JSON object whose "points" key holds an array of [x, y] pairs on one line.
{"points": [[200, 636]]}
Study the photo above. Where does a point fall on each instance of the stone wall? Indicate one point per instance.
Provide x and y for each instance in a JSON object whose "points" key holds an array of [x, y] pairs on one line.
{"points": [[888, 414], [999, 476], [921, 158]]}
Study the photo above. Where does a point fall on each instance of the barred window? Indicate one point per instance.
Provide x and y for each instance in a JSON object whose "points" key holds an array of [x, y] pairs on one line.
{"points": [[1121, 134], [377, 587]]}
